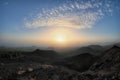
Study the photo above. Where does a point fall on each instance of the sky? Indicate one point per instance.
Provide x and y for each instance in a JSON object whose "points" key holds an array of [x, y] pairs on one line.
{"points": [[59, 22]]}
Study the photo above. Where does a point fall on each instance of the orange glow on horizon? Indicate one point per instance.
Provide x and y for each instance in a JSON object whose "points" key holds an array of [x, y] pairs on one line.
{"points": [[60, 37]]}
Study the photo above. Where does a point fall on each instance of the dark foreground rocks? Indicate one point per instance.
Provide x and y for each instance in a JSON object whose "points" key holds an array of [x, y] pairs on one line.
{"points": [[105, 68]]}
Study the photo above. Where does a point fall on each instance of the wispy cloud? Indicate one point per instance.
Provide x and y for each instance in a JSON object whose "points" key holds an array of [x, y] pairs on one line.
{"points": [[75, 14]]}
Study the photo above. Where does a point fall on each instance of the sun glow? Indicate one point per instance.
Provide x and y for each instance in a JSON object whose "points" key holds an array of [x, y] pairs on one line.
{"points": [[60, 39]]}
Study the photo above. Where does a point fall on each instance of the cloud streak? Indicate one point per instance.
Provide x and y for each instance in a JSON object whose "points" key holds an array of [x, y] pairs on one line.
{"points": [[78, 15]]}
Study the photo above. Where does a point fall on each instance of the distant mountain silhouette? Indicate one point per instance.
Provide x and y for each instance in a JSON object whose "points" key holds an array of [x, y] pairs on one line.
{"points": [[46, 53], [43, 56], [92, 49]]}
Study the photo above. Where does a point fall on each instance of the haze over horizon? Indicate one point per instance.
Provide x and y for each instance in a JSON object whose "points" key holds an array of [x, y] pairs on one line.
{"points": [[59, 23]]}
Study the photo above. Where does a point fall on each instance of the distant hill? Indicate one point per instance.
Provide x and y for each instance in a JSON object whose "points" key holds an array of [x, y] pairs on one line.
{"points": [[45, 53], [79, 62], [42, 56], [92, 49]]}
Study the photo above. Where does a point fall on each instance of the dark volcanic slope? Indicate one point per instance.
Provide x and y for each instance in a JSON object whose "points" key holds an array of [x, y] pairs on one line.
{"points": [[80, 62], [107, 67], [35, 71], [110, 61]]}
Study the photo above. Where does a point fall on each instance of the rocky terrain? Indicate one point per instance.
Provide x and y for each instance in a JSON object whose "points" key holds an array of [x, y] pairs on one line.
{"points": [[80, 62], [41, 65]]}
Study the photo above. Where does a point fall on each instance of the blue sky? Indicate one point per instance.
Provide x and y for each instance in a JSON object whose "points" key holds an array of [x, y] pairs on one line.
{"points": [[21, 19]]}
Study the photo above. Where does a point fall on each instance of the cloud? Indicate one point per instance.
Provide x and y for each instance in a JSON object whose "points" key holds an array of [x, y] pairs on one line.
{"points": [[74, 21], [78, 15]]}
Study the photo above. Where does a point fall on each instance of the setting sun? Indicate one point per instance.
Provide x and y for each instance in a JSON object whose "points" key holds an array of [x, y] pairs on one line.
{"points": [[60, 39]]}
